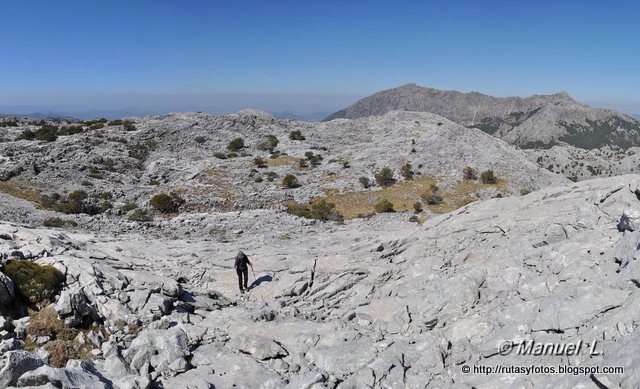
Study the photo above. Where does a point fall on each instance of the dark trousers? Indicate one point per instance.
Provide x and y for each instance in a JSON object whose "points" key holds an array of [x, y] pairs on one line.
{"points": [[243, 275]]}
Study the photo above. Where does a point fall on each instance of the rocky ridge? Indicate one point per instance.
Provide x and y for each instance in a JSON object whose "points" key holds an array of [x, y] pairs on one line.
{"points": [[532, 122]]}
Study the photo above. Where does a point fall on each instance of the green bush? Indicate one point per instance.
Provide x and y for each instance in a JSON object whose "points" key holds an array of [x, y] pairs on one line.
{"points": [[47, 133], [34, 283], [314, 159], [220, 155], [364, 181], [319, 209], [384, 205], [166, 203], [296, 135], [27, 135], [487, 177], [268, 143], [117, 122], [200, 139], [406, 171], [140, 215], [271, 176], [384, 177], [53, 222], [290, 181], [417, 207], [236, 144], [469, 173]]}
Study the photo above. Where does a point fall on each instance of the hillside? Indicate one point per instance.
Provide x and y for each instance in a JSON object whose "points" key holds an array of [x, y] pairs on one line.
{"points": [[538, 121]]}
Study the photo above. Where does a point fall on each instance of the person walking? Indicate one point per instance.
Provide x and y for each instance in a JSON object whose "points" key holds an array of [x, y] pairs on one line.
{"points": [[242, 270]]}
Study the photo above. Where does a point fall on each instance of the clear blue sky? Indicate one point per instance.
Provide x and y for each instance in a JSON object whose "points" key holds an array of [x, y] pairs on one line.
{"points": [[311, 55]]}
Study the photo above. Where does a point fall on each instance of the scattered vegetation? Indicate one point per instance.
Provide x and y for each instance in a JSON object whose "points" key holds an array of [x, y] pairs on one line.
{"points": [[384, 177], [75, 202], [166, 203], [117, 122], [296, 135], [314, 159], [200, 139], [128, 125], [417, 207], [34, 283]]}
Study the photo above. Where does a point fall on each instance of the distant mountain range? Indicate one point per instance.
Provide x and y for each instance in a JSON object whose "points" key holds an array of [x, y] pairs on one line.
{"points": [[308, 117], [539, 121]]}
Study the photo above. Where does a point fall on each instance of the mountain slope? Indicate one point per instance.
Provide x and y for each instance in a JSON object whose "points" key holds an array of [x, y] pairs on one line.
{"points": [[536, 121]]}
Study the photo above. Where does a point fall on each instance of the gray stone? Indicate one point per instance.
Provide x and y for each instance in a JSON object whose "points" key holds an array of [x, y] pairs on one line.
{"points": [[14, 364], [7, 291]]}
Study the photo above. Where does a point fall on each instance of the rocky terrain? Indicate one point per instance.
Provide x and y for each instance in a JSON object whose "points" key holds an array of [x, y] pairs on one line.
{"points": [[532, 122], [127, 291]]}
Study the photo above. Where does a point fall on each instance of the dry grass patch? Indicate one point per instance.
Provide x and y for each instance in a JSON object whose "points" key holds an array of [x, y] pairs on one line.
{"points": [[404, 194], [280, 161], [21, 190]]}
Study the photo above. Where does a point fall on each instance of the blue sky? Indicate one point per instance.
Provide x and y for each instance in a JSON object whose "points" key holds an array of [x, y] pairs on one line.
{"points": [[307, 56]]}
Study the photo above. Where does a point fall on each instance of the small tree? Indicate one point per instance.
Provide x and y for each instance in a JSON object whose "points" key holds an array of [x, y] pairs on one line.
{"points": [[469, 173], [384, 205], [296, 135], [290, 181], [236, 144], [432, 195], [487, 177], [364, 181], [384, 177], [407, 171]]}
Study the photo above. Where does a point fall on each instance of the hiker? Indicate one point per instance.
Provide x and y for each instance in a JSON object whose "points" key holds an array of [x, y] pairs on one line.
{"points": [[242, 270]]}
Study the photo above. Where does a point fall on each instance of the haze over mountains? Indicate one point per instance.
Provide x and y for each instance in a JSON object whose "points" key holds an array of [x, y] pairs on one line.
{"points": [[532, 122]]}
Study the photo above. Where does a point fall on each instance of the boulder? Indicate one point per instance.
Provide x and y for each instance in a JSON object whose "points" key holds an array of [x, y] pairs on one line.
{"points": [[16, 363], [260, 347], [157, 348], [7, 290], [630, 220]]}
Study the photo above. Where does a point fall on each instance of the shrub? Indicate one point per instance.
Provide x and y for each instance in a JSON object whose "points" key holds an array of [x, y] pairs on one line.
{"points": [[417, 207], [128, 125], [296, 135], [525, 191], [220, 155], [129, 207], [64, 346], [47, 133], [236, 144], [140, 215], [469, 173], [384, 177], [364, 181], [259, 162], [86, 183], [27, 135], [53, 222], [34, 283], [153, 181], [302, 163], [487, 177], [384, 205], [268, 143], [432, 195], [117, 122], [319, 209], [414, 219], [290, 181], [406, 171], [271, 176], [166, 203], [200, 139]]}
